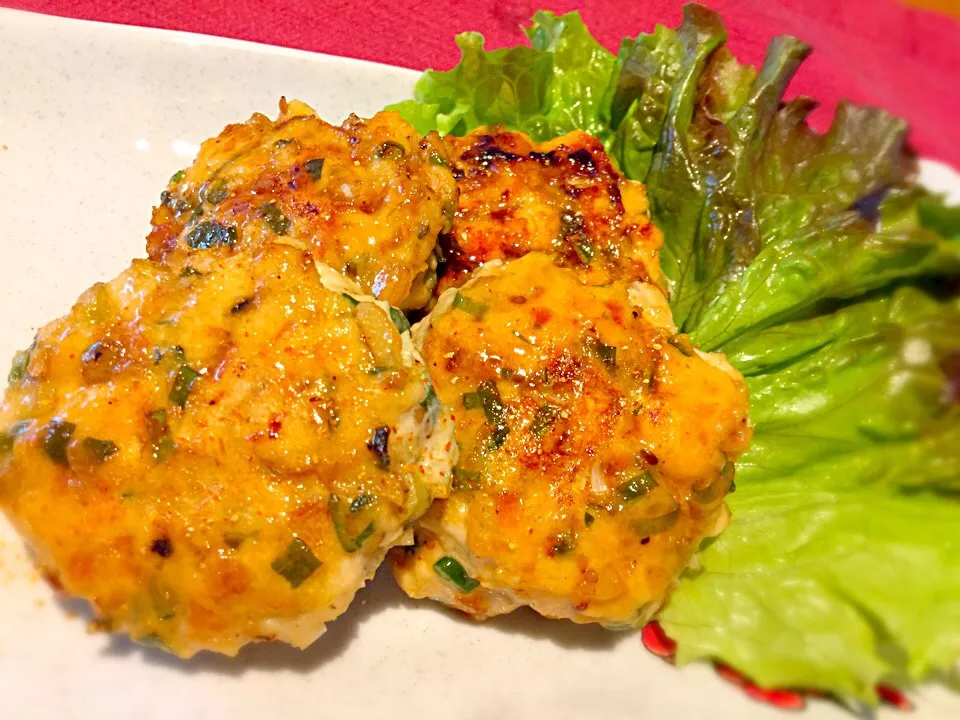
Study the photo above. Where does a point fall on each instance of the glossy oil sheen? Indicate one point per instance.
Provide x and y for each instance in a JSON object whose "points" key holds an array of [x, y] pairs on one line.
{"points": [[95, 120]]}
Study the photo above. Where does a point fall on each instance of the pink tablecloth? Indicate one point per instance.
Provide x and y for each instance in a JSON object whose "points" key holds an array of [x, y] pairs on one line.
{"points": [[872, 51]]}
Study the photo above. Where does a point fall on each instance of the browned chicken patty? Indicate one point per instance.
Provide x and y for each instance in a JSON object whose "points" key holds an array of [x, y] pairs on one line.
{"points": [[562, 197], [595, 448], [220, 449], [367, 198]]}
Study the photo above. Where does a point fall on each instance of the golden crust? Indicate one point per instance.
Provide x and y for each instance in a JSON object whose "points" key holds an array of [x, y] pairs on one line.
{"points": [[367, 198], [595, 448], [562, 197], [217, 451]]}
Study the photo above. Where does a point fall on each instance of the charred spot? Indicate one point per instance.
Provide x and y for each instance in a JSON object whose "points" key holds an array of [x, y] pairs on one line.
{"points": [[649, 457], [457, 173], [518, 299], [243, 305], [645, 541], [502, 214], [378, 445], [572, 192], [162, 547], [584, 160], [547, 159]]}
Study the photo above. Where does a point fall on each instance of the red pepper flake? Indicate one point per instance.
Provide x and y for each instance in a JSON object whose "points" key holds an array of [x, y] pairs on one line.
{"points": [[656, 641], [894, 697], [780, 699]]}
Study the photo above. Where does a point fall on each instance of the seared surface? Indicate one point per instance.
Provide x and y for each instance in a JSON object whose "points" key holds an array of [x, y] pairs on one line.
{"points": [[367, 198], [562, 197], [595, 449], [217, 450]]}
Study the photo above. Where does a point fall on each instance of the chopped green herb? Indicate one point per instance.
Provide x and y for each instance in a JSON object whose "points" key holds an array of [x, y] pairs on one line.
{"points": [[399, 320], [453, 572], [498, 437], [18, 368], [100, 450], [683, 344], [210, 234], [506, 373], [493, 406], [350, 299], [471, 401], [389, 150], [314, 167], [637, 486], [584, 250], [423, 229], [348, 542], [214, 193], [158, 420], [431, 400], [607, 354], [362, 501], [177, 177], [275, 219], [543, 419], [565, 542], [645, 527], [182, 383], [377, 444], [466, 479], [438, 159], [164, 448], [462, 302], [296, 564], [588, 518], [56, 437], [189, 272]]}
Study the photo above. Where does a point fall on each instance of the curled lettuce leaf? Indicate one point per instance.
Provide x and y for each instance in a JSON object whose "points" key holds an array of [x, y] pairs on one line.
{"points": [[831, 281]]}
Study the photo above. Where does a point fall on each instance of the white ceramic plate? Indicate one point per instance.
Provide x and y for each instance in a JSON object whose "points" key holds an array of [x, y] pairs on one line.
{"points": [[93, 120]]}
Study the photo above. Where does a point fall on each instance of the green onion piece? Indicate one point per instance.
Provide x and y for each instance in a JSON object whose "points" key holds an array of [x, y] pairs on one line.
{"points": [[607, 354], [506, 373], [189, 272], [296, 564], [100, 450], [492, 404], [275, 219], [471, 401], [462, 302], [214, 193], [498, 437], [399, 320], [18, 368], [377, 444], [314, 167], [177, 176], [337, 512], [466, 479], [452, 571], [588, 518], [182, 383], [645, 527], [163, 449], [362, 501], [350, 299], [584, 250], [438, 159], [56, 437], [431, 400], [637, 486], [209, 234], [544, 418], [565, 542], [389, 150], [683, 344]]}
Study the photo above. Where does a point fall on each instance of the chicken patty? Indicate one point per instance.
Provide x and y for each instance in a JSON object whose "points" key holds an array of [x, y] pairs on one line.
{"points": [[562, 197], [219, 450], [595, 448], [367, 198]]}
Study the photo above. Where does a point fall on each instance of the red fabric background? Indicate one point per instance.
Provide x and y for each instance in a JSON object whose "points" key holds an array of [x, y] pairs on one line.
{"points": [[878, 52]]}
